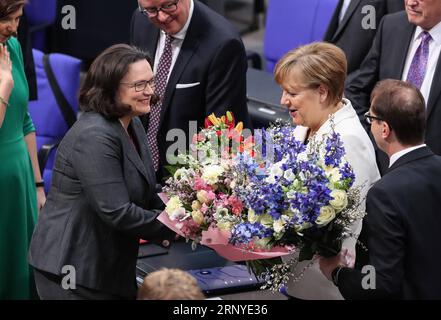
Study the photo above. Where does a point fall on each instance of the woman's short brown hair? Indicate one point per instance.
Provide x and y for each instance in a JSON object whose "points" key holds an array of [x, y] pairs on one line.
{"points": [[320, 63], [170, 284], [98, 92], [10, 6]]}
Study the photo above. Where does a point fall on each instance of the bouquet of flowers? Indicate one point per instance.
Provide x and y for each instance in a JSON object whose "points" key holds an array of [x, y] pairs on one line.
{"points": [[300, 197], [200, 193], [258, 198]]}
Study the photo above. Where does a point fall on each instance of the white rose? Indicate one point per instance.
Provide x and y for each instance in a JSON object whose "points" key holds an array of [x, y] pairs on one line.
{"points": [[252, 217], [266, 220], [211, 174], [327, 214], [340, 200], [278, 225]]}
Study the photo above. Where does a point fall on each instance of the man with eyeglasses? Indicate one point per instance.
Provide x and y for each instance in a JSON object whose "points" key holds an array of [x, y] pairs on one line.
{"points": [[402, 227], [205, 64]]}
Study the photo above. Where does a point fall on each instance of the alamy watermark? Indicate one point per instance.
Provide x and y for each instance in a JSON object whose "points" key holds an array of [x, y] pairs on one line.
{"points": [[69, 20], [369, 21], [369, 281]]}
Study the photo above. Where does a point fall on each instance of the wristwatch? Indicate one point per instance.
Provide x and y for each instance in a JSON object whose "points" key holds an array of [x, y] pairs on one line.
{"points": [[335, 273], [39, 184]]}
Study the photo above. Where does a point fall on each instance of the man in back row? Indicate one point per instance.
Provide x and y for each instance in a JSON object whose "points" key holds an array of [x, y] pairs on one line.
{"points": [[406, 47], [200, 67]]}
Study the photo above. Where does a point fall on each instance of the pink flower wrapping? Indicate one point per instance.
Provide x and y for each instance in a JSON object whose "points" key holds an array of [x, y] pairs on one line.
{"points": [[217, 240]]}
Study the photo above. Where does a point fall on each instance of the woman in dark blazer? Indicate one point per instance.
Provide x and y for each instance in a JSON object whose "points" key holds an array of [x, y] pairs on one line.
{"points": [[103, 187]]}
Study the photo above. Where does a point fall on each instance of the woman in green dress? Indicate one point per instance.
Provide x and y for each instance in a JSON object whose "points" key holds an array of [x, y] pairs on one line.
{"points": [[21, 191]]}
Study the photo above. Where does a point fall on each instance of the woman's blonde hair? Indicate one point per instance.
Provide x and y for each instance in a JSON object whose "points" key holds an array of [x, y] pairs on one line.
{"points": [[170, 284], [319, 63]]}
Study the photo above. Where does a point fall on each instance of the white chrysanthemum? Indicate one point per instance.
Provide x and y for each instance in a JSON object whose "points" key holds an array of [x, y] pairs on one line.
{"points": [[211, 174], [173, 204]]}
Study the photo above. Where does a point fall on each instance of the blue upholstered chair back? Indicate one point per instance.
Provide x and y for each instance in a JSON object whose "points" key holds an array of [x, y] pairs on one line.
{"points": [[291, 23], [45, 112], [41, 14]]}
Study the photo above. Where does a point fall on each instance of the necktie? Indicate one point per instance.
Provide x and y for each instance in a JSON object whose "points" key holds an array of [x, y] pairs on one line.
{"points": [[155, 111], [418, 66]]}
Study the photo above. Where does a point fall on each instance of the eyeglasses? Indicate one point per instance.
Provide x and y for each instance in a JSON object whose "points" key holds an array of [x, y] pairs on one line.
{"points": [[153, 11], [369, 118], [141, 85]]}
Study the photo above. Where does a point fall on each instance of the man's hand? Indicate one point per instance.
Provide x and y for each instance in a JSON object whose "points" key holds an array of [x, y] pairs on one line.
{"points": [[327, 265]]}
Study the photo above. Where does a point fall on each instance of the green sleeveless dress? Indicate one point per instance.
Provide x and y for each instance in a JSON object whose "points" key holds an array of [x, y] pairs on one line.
{"points": [[18, 199]]}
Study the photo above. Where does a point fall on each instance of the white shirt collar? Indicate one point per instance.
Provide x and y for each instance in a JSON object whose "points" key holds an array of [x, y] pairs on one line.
{"points": [[401, 153], [435, 33]]}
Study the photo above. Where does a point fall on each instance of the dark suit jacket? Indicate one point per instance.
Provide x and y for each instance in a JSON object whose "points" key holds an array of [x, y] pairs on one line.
{"points": [[402, 228], [385, 60], [98, 206], [213, 55], [350, 36]]}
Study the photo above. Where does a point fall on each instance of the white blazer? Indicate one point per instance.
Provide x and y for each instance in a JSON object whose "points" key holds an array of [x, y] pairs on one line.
{"points": [[361, 156]]}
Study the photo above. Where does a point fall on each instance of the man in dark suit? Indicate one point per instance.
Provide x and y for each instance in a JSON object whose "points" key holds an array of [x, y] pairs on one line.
{"points": [[346, 27], [391, 56], [207, 72], [403, 222]]}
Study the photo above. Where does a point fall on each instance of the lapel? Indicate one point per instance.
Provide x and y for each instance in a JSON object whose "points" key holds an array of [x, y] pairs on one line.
{"points": [[130, 151], [435, 89], [348, 14], [416, 154], [141, 138], [399, 56], [189, 47]]}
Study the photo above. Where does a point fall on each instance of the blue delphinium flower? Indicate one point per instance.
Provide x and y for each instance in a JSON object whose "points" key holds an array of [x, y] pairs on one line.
{"points": [[243, 233], [334, 150]]}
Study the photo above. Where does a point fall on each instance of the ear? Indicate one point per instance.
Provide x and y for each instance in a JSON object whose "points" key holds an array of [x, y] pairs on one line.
{"points": [[385, 130], [323, 93]]}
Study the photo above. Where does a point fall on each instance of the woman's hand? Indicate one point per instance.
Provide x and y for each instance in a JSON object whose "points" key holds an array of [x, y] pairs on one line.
{"points": [[6, 80], [41, 198]]}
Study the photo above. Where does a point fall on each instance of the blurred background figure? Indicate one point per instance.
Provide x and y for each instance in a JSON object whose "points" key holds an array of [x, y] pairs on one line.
{"points": [[170, 284], [354, 24], [407, 47], [21, 186]]}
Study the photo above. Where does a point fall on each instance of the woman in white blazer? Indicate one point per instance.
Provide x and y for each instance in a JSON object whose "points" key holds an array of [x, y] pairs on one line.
{"points": [[312, 78]]}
